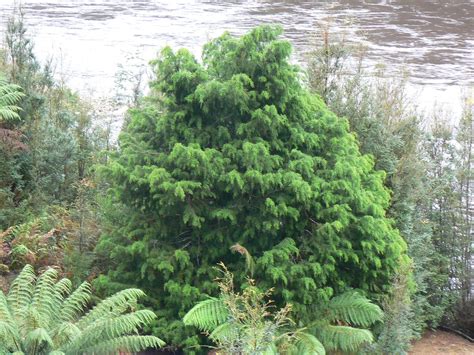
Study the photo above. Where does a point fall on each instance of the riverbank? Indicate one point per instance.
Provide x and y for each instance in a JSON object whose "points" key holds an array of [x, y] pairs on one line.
{"points": [[441, 342]]}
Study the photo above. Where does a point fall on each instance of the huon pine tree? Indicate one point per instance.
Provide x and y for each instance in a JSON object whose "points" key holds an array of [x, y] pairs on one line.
{"points": [[234, 149]]}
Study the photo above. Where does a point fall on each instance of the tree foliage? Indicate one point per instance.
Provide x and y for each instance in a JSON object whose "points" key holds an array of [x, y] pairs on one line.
{"points": [[43, 315], [236, 150], [428, 169], [48, 145]]}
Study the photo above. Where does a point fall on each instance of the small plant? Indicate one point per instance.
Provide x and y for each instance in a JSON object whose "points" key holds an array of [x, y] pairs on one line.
{"points": [[40, 315], [247, 323]]}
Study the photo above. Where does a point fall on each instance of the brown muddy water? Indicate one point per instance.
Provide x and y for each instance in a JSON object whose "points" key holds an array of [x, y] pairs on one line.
{"points": [[90, 39]]}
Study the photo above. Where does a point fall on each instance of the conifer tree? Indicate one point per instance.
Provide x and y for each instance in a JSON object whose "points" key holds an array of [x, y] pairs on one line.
{"points": [[234, 149]]}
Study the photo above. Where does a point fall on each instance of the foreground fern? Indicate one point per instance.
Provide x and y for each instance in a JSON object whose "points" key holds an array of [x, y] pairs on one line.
{"points": [[40, 315], [246, 323], [241, 323], [342, 319], [10, 96]]}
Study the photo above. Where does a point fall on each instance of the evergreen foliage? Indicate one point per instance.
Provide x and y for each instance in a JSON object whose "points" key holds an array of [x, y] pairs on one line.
{"points": [[42, 315], [400, 323], [236, 150]]}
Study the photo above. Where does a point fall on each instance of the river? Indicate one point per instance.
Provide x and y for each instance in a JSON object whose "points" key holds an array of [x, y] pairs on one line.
{"points": [[432, 39]]}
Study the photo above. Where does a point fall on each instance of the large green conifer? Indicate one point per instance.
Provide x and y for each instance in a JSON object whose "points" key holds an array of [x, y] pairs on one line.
{"points": [[236, 150]]}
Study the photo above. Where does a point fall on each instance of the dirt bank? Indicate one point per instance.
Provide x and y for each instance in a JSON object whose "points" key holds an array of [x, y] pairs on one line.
{"points": [[440, 342]]}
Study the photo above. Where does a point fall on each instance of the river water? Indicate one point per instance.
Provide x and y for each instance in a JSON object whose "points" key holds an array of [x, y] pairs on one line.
{"points": [[432, 39]]}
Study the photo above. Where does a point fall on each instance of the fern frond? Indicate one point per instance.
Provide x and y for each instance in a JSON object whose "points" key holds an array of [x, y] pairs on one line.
{"points": [[10, 96], [21, 291], [43, 296], [5, 314], [61, 289], [308, 344], [223, 332], [65, 333], [75, 304], [38, 339], [9, 113], [126, 343], [347, 339], [113, 305], [107, 329], [354, 309], [63, 286], [8, 336], [207, 314]]}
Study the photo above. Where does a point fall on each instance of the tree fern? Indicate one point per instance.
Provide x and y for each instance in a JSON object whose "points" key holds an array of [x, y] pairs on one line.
{"points": [[207, 315], [40, 315], [10, 96], [344, 338], [354, 309], [339, 318], [246, 323], [307, 344]]}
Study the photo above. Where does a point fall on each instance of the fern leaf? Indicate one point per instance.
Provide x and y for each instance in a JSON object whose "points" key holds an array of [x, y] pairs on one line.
{"points": [[207, 315], [308, 344], [107, 329], [5, 314], [347, 339], [10, 95], [113, 305], [223, 332], [61, 289], [36, 318], [21, 291], [37, 339], [44, 294], [75, 304], [8, 336], [126, 343], [354, 309], [65, 333]]}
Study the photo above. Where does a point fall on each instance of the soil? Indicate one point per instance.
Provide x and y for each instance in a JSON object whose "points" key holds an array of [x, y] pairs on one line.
{"points": [[440, 342]]}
